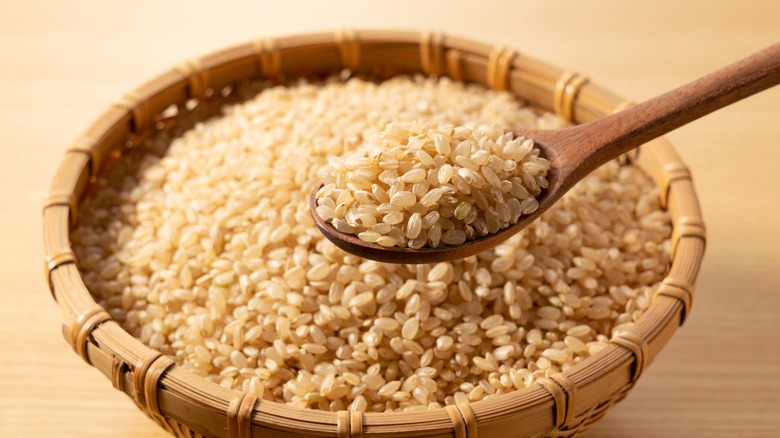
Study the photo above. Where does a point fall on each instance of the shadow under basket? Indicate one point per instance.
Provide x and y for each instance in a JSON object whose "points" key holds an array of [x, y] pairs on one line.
{"points": [[564, 405]]}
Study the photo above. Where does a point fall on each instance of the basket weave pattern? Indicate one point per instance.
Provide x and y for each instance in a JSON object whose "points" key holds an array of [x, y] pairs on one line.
{"points": [[564, 405]]}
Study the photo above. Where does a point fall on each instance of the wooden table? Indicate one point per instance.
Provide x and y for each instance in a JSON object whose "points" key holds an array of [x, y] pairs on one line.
{"points": [[62, 63]]}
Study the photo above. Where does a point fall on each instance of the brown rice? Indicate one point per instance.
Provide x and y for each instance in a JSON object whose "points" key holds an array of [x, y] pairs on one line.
{"points": [[466, 183], [207, 253]]}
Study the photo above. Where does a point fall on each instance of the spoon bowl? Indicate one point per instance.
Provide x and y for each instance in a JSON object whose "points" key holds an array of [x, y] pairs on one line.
{"points": [[576, 151], [352, 244]]}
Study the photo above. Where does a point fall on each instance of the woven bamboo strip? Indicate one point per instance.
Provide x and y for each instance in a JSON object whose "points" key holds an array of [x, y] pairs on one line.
{"points": [[70, 181], [164, 90], [83, 326], [560, 89], [63, 199], [342, 424], [108, 132], [677, 289], [455, 64], [203, 407], [137, 107], [56, 221], [563, 393], [151, 383], [638, 348], [76, 298], [469, 421], [431, 53], [683, 204], [499, 65], [687, 226], [197, 78], [139, 377], [348, 47], [356, 424], [570, 95], [534, 81], [118, 370], [239, 416], [458, 423], [567, 88], [85, 148], [570, 390]]}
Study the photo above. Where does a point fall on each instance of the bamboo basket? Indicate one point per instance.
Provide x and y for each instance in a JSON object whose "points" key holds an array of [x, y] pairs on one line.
{"points": [[564, 405]]}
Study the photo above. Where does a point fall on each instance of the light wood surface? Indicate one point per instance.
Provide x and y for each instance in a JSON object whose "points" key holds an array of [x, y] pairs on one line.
{"points": [[63, 63]]}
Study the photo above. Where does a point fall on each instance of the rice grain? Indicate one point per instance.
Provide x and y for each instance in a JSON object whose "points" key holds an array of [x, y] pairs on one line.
{"points": [[208, 253]]}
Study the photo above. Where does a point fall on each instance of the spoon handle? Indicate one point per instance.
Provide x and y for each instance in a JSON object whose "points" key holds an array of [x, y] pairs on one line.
{"points": [[597, 142]]}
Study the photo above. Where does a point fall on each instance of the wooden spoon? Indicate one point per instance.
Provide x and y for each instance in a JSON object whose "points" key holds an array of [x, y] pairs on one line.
{"points": [[576, 151]]}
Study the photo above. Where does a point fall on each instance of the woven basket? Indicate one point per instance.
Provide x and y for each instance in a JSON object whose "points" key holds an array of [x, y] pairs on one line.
{"points": [[186, 405]]}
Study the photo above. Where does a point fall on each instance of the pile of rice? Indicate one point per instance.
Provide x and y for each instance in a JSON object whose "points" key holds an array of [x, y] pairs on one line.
{"points": [[208, 253], [417, 185]]}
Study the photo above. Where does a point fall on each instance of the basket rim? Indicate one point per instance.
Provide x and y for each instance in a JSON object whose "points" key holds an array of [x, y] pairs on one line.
{"points": [[122, 358]]}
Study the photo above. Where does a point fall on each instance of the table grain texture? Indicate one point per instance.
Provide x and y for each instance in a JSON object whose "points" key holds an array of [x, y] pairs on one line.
{"points": [[62, 63]]}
